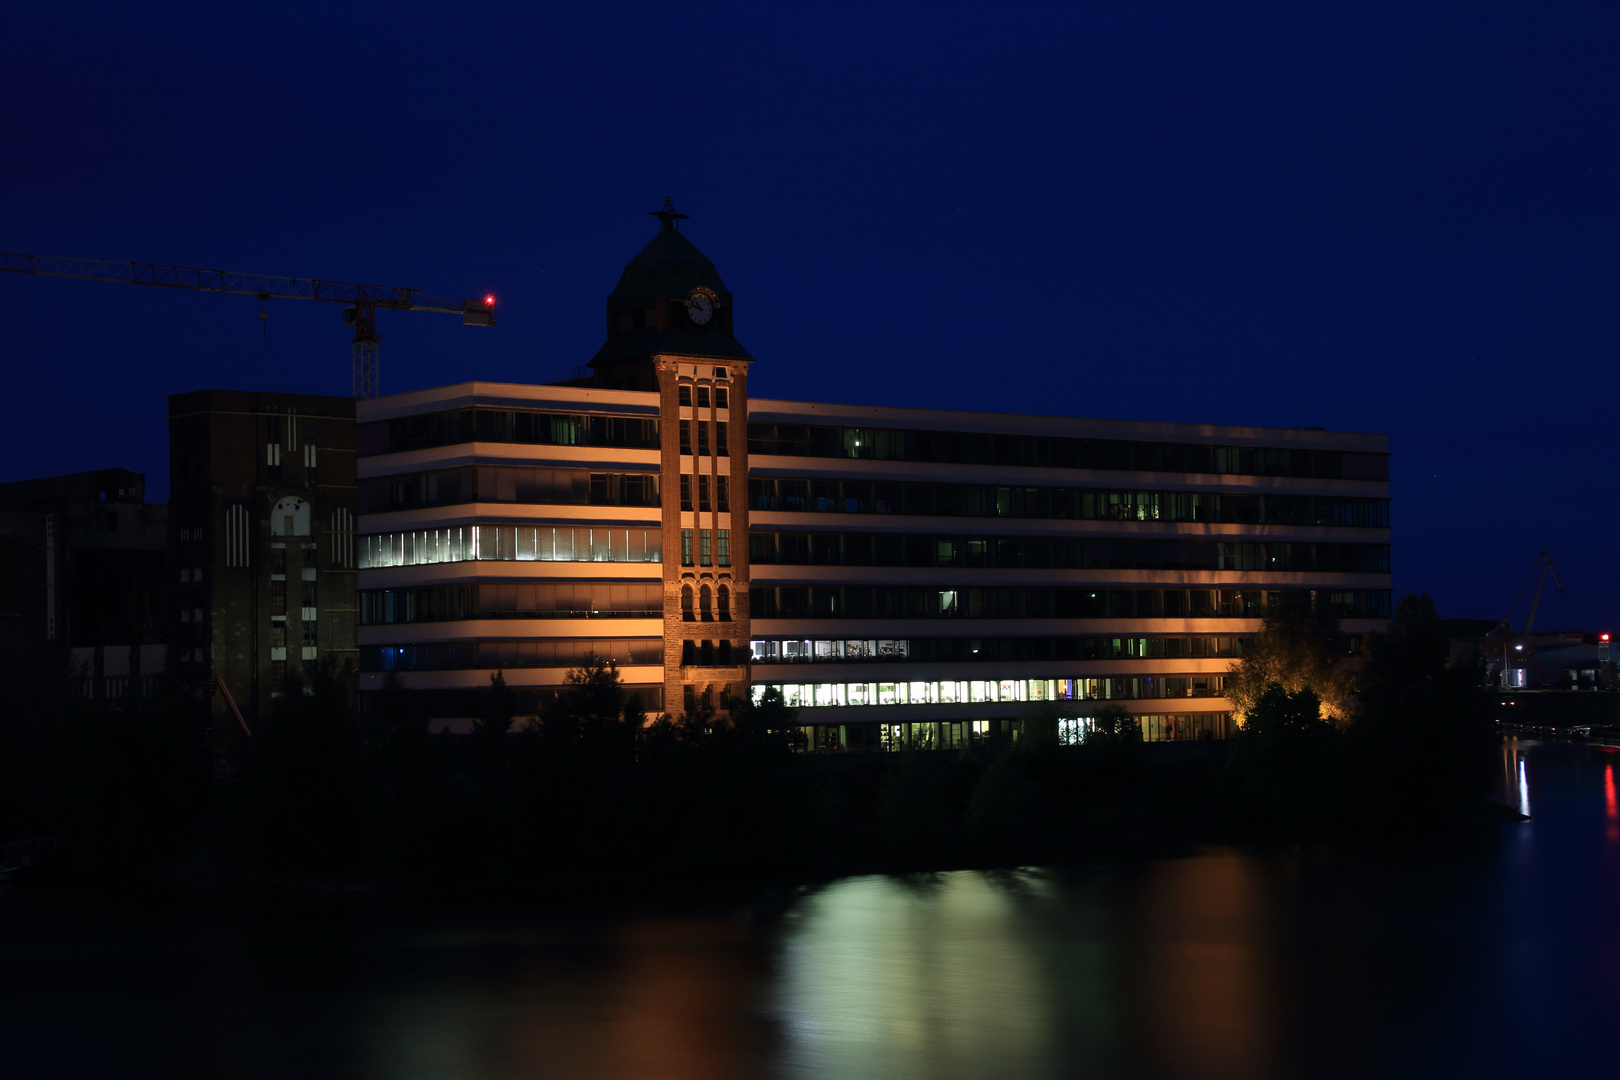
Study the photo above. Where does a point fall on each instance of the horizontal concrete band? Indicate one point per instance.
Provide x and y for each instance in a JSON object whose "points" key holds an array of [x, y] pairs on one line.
{"points": [[967, 577], [452, 455], [878, 671], [831, 521], [632, 677], [428, 633], [495, 395], [963, 627]]}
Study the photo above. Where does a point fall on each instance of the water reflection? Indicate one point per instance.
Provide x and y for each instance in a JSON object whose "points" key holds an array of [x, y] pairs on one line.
{"points": [[1611, 811], [1496, 959], [1206, 988], [885, 978], [1515, 775]]}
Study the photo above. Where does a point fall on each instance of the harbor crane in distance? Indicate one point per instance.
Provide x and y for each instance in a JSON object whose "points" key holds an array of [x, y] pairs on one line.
{"points": [[362, 300], [1547, 565]]}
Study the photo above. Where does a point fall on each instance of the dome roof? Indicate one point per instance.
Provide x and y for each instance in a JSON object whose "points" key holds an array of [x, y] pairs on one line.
{"points": [[646, 312], [669, 266]]}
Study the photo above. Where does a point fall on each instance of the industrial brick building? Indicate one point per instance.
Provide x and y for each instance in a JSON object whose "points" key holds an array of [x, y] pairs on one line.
{"points": [[909, 578], [261, 537], [83, 581]]}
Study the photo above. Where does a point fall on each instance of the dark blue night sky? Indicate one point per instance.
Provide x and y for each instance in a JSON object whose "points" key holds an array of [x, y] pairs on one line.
{"points": [[1397, 218]]}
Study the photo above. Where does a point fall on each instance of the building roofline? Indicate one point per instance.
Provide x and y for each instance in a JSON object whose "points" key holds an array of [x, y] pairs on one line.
{"points": [[509, 395]]}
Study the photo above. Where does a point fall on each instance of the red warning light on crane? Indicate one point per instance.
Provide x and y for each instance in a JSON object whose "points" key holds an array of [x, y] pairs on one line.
{"points": [[476, 313], [1603, 637]]}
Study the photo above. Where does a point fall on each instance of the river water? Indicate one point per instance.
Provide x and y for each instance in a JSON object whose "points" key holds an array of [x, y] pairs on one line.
{"points": [[1497, 956]]}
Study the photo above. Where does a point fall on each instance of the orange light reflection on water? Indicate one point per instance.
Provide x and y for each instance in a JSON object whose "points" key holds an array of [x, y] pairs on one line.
{"points": [[1610, 806]]}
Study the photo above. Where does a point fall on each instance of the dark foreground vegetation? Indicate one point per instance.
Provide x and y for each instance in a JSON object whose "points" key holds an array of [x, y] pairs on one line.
{"points": [[320, 795]]}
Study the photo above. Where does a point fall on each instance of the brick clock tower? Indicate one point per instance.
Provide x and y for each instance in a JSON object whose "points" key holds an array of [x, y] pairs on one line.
{"points": [[669, 330]]}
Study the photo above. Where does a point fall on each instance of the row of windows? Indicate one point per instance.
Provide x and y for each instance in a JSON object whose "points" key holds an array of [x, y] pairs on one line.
{"points": [[1064, 503], [712, 604], [721, 442], [1038, 602], [721, 396], [505, 426], [985, 691], [972, 448], [513, 600], [714, 547], [837, 738], [526, 700], [1061, 553], [509, 543], [461, 655], [719, 485], [712, 653], [962, 649], [520, 484]]}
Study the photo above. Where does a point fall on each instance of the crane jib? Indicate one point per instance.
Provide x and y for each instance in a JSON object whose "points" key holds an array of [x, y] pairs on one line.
{"points": [[264, 286], [363, 300]]}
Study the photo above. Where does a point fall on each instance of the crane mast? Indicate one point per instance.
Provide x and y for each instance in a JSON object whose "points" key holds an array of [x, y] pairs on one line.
{"points": [[362, 300], [1546, 564]]}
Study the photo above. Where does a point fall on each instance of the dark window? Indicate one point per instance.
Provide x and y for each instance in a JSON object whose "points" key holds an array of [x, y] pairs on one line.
{"points": [[686, 436], [686, 493], [704, 502], [720, 447], [1060, 452], [685, 394], [686, 603], [720, 398], [703, 397], [722, 497], [723, 603]]}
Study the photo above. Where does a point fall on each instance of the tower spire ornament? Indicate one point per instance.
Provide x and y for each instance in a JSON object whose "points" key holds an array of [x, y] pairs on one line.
{"points": [[668, 215]]}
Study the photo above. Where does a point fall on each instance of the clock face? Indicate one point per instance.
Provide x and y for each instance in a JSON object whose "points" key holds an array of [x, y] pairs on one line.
{"points": [[700, 308]]}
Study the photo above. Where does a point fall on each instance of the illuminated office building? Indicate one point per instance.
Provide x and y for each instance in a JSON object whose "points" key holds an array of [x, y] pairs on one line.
{"points": [[908, 577]]}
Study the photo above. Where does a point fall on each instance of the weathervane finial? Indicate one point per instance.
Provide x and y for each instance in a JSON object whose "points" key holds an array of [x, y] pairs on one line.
{"points": [[668, 216]]}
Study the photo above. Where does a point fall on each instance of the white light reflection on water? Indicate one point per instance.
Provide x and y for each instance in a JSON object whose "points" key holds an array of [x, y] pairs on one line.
{"points": [[1524, 789], [925, 976], [972, 974]]}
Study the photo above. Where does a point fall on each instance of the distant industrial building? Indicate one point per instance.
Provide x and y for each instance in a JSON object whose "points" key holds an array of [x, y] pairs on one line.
{"points": [[261, 535], [84, 581], [908, 578]]}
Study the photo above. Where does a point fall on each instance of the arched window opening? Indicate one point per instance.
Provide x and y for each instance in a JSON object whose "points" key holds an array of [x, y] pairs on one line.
{"points": [[686, 603], [705, 604], [290, 517], [724, 603]]}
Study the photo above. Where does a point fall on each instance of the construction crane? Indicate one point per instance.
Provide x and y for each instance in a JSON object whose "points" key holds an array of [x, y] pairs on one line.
{"points": [[362, 300], [1546, 564]]}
